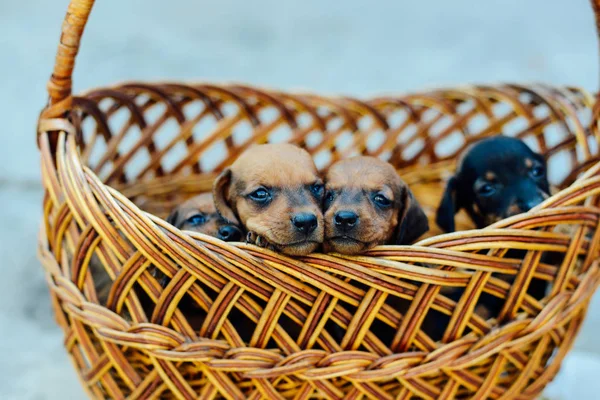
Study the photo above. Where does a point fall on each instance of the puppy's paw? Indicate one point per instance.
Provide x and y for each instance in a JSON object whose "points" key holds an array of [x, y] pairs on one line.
{"points": [[251, 238], [260, 241]]}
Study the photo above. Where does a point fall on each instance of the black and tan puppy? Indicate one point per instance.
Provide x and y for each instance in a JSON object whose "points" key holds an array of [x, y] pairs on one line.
{"points": [[367, 204], [496, 178], [275, 193], [199, 214]]}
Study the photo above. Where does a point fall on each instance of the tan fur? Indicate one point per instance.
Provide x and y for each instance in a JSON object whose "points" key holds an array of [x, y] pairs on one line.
{"points": [[514, 209], [289, 171], [350, 179], [491, 219]]}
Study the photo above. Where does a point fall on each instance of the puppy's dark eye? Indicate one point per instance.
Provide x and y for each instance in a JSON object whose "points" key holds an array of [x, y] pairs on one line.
{"points": [[260, 195], [329, 199], [486, 190], [317, 190], [381, 200], [196, 220], [537, 171]]}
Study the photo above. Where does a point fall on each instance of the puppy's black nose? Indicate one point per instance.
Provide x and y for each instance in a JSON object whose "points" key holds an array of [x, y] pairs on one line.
{"points": [[528, 204], [305, 222], [230, 233], [345, 220]]}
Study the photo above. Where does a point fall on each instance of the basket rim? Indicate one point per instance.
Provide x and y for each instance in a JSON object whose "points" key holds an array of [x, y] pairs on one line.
{"points": [[559, 202]]}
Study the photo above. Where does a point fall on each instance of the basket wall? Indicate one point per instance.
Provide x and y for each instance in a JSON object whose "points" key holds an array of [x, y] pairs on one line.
{"points": [[157, 144]]}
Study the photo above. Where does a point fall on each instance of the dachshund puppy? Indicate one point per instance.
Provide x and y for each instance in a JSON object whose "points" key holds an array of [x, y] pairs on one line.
{"points": [[199, 214], [496, 178], [275, 193], [367, 204], [196, 214]]}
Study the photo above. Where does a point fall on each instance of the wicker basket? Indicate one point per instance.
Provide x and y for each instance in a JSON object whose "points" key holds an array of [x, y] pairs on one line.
{"points": [[109, 153]]}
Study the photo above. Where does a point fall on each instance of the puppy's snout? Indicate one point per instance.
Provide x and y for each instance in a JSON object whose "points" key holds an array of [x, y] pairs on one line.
{"points": [[527, 204], [345, 220], [305, 222], [528, 196], [230, 233]]}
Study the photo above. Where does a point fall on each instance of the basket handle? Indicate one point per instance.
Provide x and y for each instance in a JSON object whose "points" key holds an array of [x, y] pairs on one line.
{"points": [[60, 84]]}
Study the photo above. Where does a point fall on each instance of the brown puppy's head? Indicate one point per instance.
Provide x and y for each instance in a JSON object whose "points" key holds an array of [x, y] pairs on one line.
{"points": [[367, 204], [199, 214], [496, 178], [274, 191]]}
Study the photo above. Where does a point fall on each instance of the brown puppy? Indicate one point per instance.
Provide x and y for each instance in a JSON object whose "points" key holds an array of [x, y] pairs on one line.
{"points": [[275, 193], [367, 204], [199, 214]]}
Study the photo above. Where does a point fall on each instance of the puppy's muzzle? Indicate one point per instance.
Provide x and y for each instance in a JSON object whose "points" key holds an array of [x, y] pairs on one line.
{"points": [[305, 223], [528, 204], [345, 221], [230, 233], [528, 198]]}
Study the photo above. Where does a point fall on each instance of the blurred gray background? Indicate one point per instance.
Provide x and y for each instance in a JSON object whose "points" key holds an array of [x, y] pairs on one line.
{"points": [[337, 47]]}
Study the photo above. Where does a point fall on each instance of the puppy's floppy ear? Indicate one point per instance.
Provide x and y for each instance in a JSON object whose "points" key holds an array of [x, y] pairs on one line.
{"points": [[448, 207], [413, 221], [539, 157], [220, 192]]}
